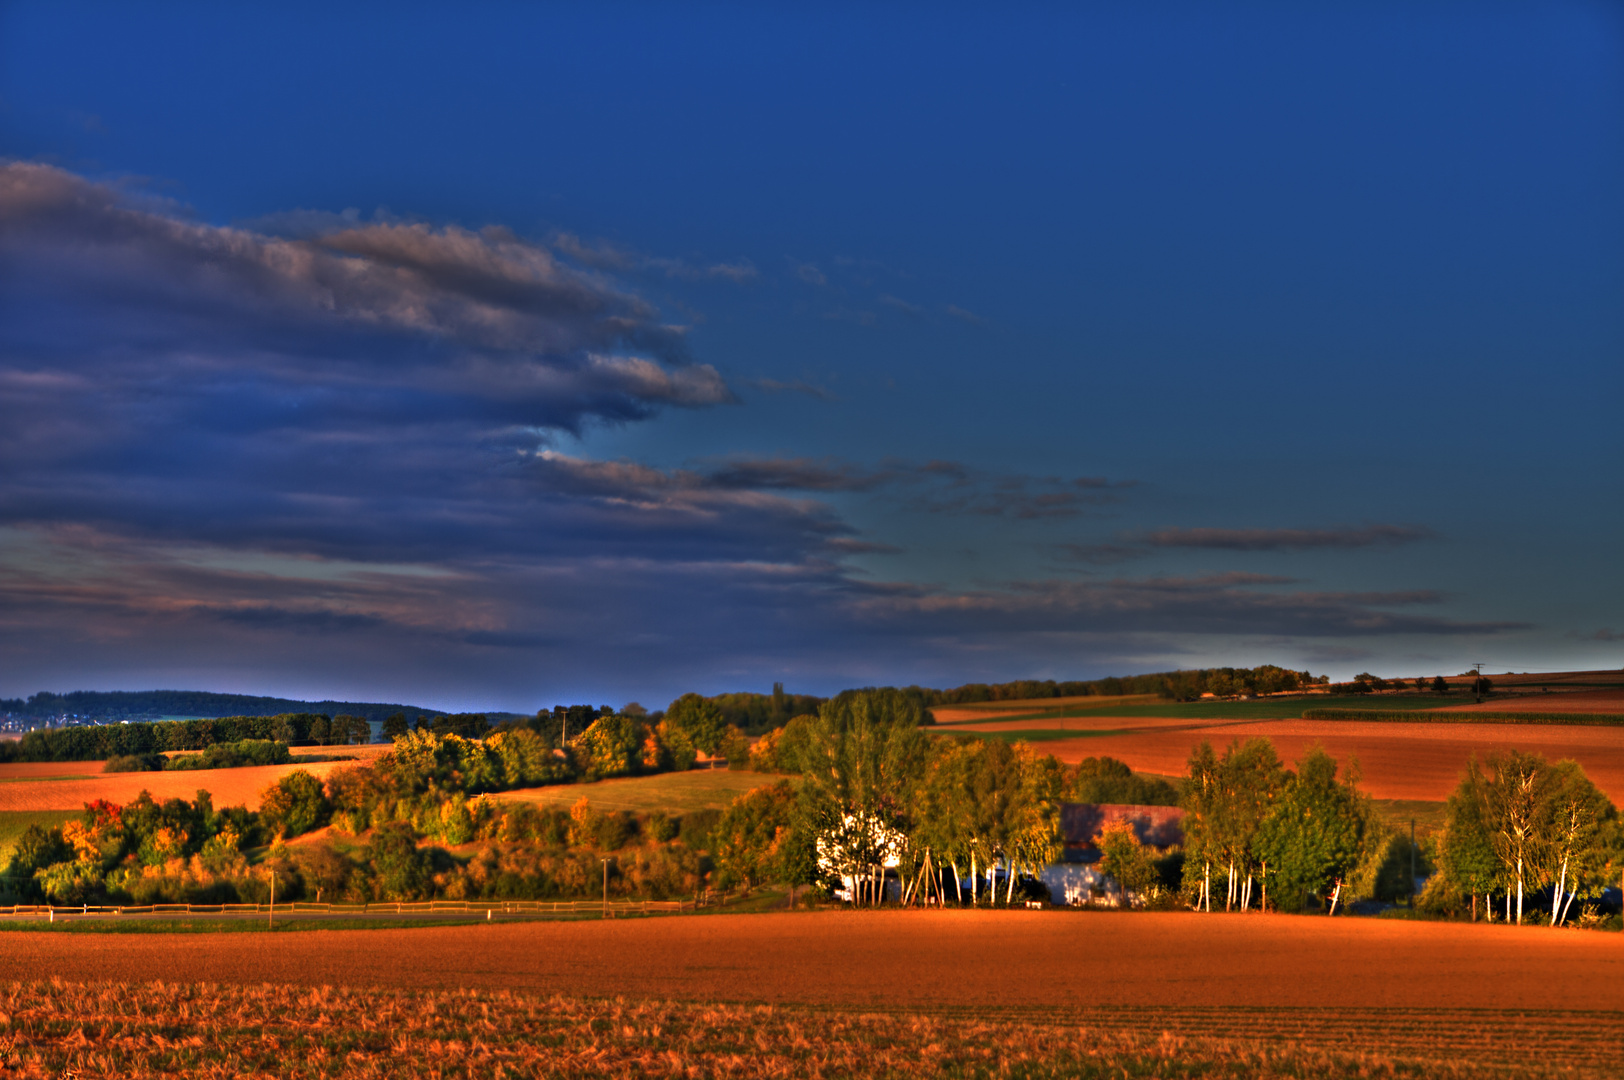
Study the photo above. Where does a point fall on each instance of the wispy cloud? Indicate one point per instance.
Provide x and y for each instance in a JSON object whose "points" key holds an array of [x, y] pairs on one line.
{"points": [[1288, 539], [1140, 545], [603, 255], [964, 315], [794, 386]]}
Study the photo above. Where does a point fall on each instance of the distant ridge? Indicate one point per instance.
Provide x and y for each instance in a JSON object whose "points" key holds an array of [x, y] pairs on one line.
{"points": [[151, 704]]}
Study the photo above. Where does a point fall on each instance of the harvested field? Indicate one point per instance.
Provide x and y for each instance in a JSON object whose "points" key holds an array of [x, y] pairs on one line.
{"points": [[68, 785], [675, 793], [173, 1030], [1398, 760], [832, 993], [229, 787], [1573, 701], [909, 959], [952, 714]]}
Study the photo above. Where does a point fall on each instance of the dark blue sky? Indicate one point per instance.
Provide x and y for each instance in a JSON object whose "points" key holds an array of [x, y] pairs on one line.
{"points": [[521, 355]]}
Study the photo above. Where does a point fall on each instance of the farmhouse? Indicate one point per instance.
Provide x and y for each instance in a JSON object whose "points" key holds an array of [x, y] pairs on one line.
{"points": [[1076, 877]]}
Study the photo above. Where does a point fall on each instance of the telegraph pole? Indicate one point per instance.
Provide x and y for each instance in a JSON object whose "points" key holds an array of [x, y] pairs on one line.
{"points": [[605, 887], [1477, 681]]}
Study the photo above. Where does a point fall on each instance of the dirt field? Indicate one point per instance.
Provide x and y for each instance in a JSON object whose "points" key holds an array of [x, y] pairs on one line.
{"points": [[905, 959], [952, 714], [25, 786], [1398, 760], [1573, 701], [826, 994], [674, 793]]}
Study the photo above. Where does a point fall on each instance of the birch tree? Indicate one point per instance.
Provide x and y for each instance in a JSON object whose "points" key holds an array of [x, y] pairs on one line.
{"points": [[1315, 833], [1517, 807]]}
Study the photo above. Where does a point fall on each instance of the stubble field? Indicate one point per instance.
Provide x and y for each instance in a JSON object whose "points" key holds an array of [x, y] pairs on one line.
{"points": [[68, 785], [829, 993], [1397, 760]]}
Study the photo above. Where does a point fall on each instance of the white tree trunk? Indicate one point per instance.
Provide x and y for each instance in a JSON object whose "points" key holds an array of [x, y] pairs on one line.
{"points": [[1568, 905], [1206, 886], [975, 881], [958, 883], [1556, 898], [1519, 889]]}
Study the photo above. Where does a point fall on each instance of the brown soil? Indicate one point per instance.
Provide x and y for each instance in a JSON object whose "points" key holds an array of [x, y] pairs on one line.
{"points": [[901, 959], [980, 710], [1574, 701], [230, 787], [1398, 760]]}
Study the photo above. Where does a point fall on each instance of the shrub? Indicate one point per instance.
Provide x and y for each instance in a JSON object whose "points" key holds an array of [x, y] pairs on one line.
{"points": [[136, 763], [294, 804], [695, 828]]}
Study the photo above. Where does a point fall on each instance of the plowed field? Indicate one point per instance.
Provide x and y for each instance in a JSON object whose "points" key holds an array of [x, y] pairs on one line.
{"points": [[834, 993], [1578, 701], [230, 787], [1398, 760], [905, 959]]}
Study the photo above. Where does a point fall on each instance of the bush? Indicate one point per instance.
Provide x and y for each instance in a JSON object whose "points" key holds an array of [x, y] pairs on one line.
{"points": [[136, 763], [244, 752], [294, 804], [695, 828]]}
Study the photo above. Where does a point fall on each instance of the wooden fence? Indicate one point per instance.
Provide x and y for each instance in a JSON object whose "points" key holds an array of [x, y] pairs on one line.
{"points": [[487, 908]]}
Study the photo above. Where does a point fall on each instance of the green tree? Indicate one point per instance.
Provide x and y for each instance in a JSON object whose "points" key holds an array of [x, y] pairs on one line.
{"points": [[1576, 842], [395, 726], [293, 805], [863, 761], [699, 721], [1315, 834], [610, 747], [1466, 858], [400, 870], [1123, 858], [751, 841]]}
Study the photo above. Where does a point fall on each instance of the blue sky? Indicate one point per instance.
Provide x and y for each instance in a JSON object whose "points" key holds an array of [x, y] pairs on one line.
{"points": [[499, 357]]}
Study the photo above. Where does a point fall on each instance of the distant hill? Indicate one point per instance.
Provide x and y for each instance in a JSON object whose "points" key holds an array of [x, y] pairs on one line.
{"points": [[152, 704]]}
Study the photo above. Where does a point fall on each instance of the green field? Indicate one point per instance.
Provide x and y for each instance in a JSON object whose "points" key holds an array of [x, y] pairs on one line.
{"points": [[14, 822], [1260, 709], [674, 793]]}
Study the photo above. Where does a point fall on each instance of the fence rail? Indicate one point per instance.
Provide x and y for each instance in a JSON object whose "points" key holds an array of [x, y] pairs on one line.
{"points": [[421, 907]]}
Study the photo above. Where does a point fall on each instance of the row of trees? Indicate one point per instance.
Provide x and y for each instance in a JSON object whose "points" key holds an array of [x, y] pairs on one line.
{"points": [[96, 743]]}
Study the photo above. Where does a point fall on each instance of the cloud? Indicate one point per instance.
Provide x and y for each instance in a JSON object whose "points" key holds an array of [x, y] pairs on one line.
{"points": [[1605, 634], [1288, 539], [1227, 604], [329, 460], [913, 311], [1137, 546], [965, 316], [810, 274], [603, 255], [795, 386]]}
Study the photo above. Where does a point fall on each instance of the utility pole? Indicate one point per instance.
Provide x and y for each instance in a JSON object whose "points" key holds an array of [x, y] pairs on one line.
{"points": [[1477, 681], [270, 922], [605, 887]]}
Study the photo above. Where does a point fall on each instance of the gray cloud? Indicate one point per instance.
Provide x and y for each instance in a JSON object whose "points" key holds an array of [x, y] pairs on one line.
{"points": [[795, 386], [605, 256], [1288, 539]]}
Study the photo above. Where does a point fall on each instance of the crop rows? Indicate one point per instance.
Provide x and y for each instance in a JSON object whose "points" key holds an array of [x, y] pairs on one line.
{"points": [[59, 1029]]}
